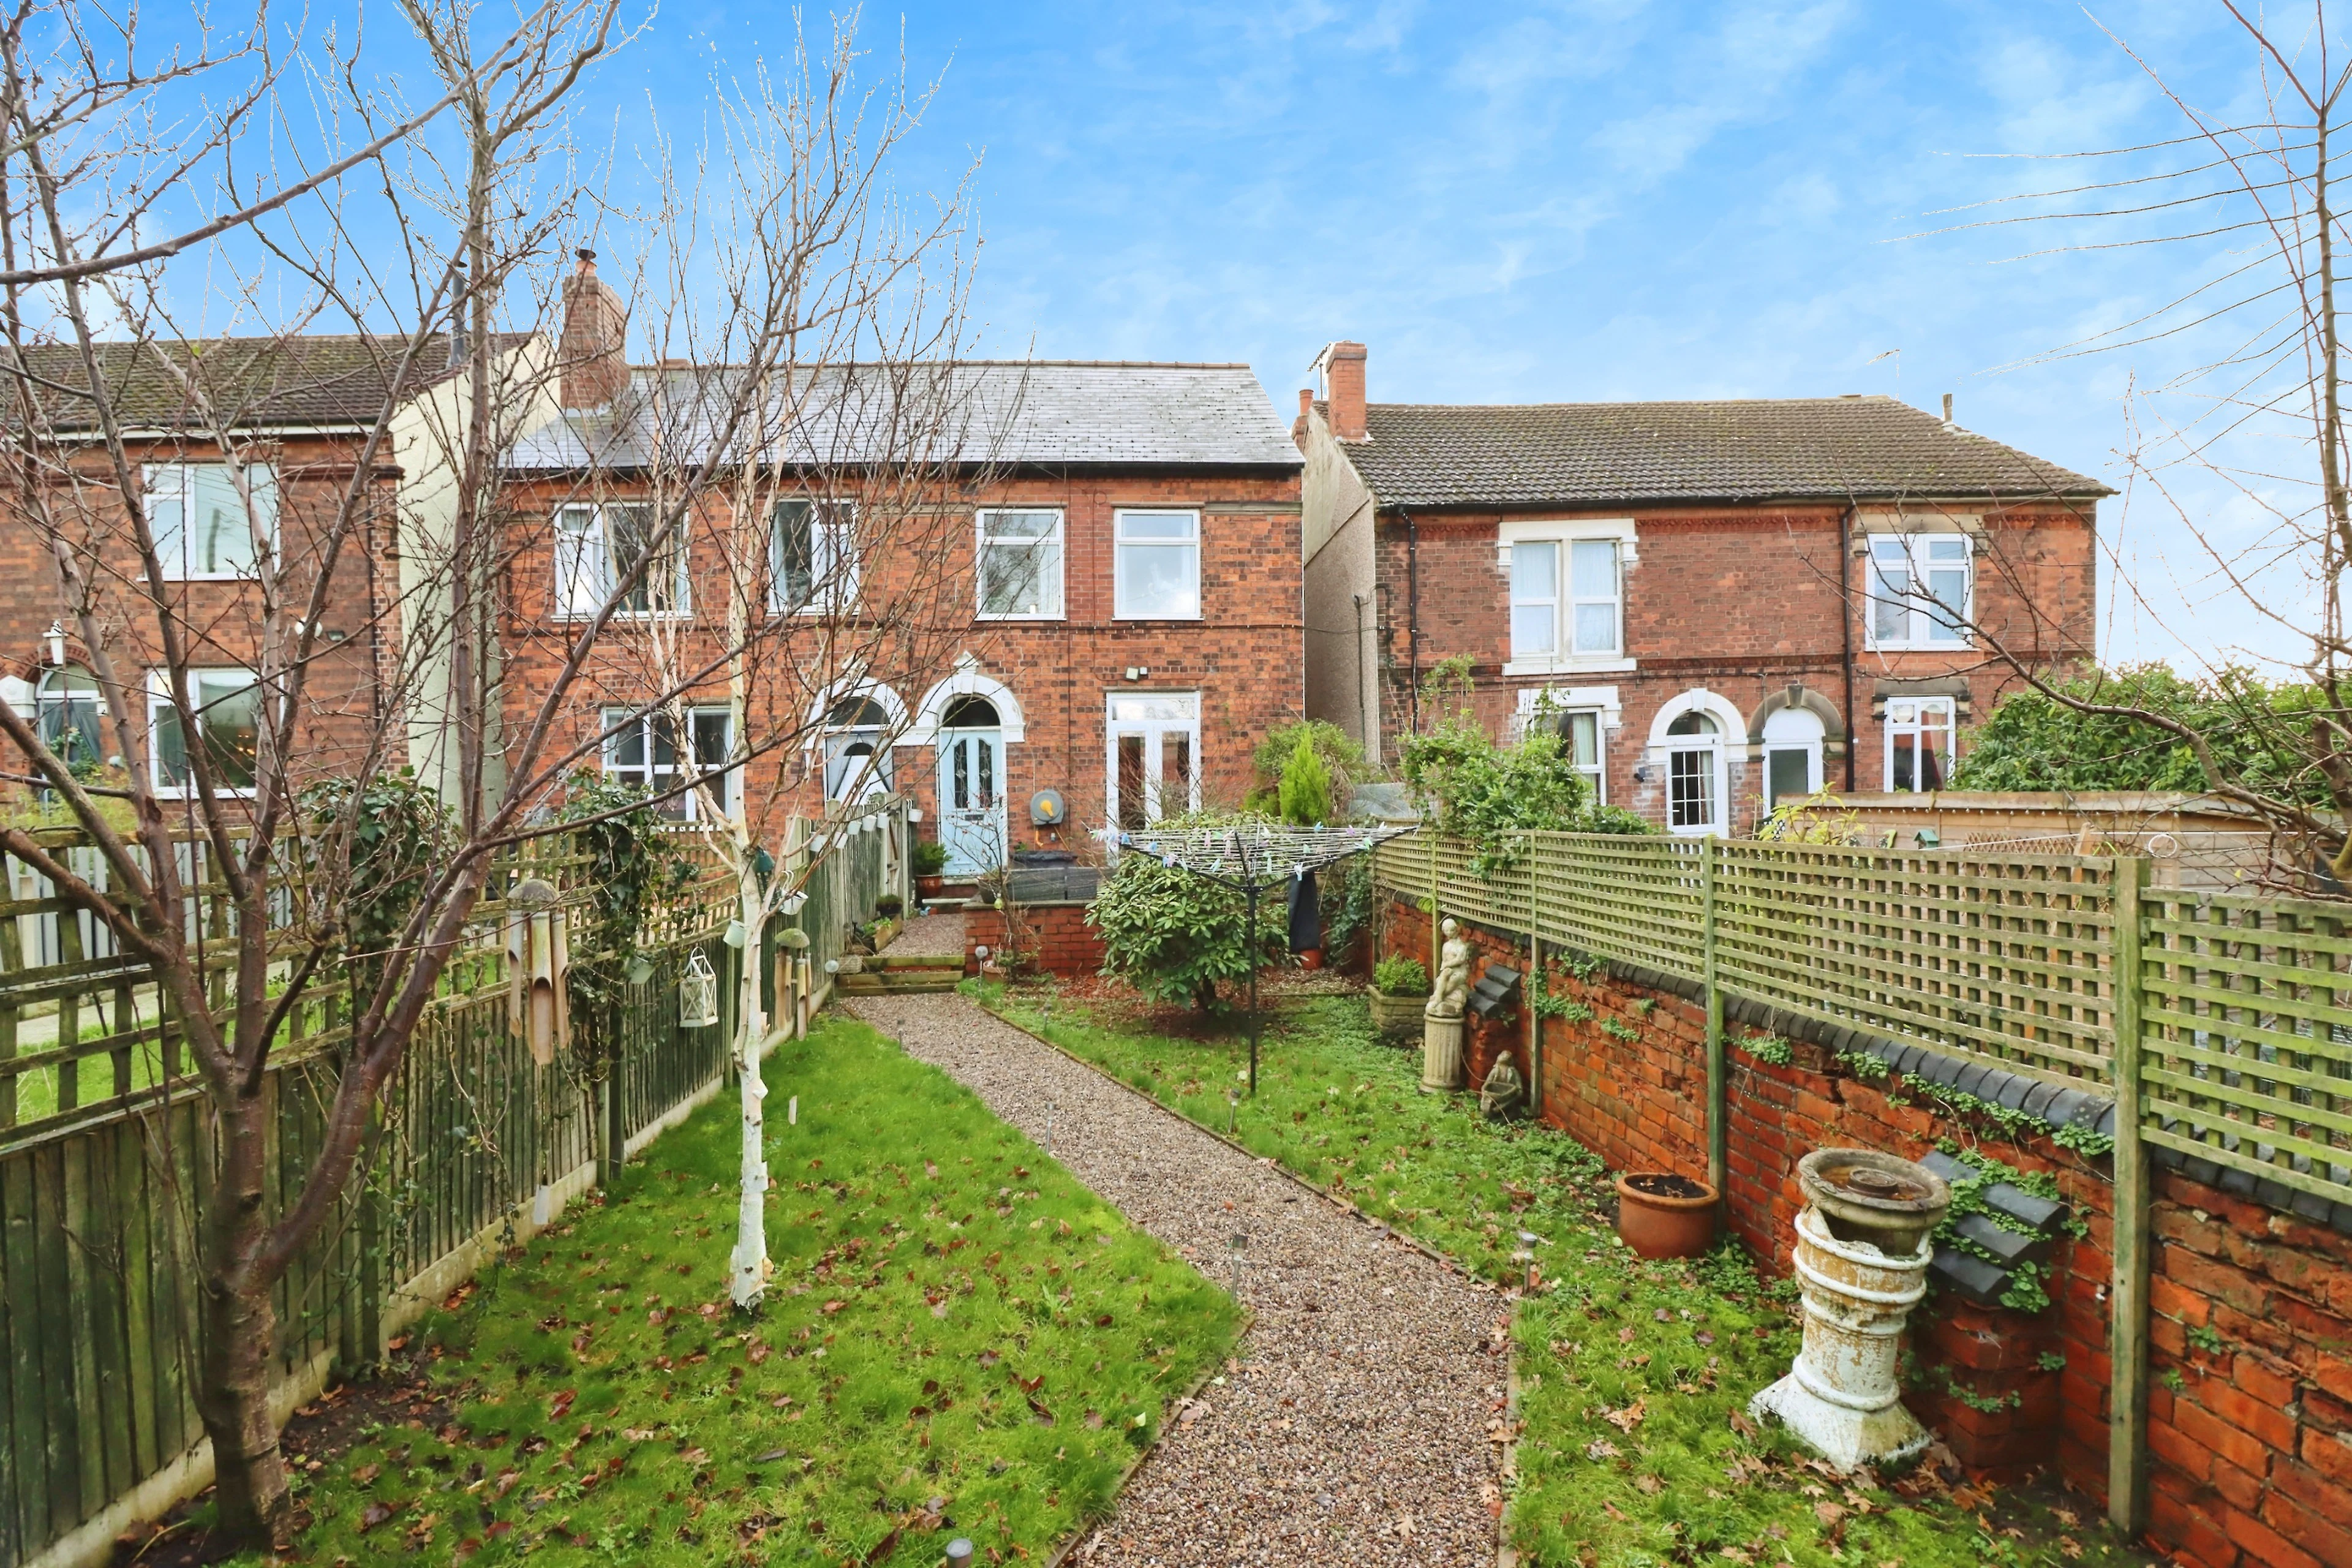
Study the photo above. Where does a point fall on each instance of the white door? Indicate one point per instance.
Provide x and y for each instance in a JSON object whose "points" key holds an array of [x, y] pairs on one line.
{"points": [[971, 800], [1792, 756], [1152, 761]]}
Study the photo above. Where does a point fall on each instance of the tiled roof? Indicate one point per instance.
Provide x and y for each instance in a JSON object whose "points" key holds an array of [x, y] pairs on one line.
{"points": [[1042, 412], [324, 379], [1848, 449]]}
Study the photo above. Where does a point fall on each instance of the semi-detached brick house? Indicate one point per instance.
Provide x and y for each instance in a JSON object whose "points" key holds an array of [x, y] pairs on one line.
{"points": [[1121, 549], [1725, 603], [298, 409]]}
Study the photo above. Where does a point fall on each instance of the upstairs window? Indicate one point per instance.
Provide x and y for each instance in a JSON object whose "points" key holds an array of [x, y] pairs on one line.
{"points": [[1021, 565], [228, 728], [1158, 569], [1919, 587], [597, 548], [813, 556], [1566, 599], [203, 530]]}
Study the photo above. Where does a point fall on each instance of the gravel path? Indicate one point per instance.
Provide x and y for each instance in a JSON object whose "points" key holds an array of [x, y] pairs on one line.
{"points": [[930, 935], [1354, 1426]]}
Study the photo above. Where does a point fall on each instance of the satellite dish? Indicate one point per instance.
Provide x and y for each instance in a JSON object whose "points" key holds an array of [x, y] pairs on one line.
{"points": [[1046, 808]]}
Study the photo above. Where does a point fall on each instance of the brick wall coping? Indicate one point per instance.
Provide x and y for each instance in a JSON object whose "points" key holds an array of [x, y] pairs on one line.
{"points": [[2092, 1106]]}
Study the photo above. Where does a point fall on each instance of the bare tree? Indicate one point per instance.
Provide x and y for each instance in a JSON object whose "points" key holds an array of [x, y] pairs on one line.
{"points": [[2251, 208], [276, 795]]}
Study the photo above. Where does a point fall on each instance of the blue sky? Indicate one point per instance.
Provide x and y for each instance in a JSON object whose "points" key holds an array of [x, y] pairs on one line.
{"points": [[1522, 202], [1584, 201]]}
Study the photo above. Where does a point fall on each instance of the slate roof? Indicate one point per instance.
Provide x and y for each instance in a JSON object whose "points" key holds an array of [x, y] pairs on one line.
{"points": [[1048, 413], [1844, 448], [321, 379]]}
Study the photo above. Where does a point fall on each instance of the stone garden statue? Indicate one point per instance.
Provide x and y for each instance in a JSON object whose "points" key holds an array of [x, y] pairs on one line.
{"points": [[1441, 1023], [1504, 1096], [1451, 991]]}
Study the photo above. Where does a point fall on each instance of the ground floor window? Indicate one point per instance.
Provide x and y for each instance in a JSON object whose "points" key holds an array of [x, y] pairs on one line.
{"points": [[70, 708], [1920, 741], [642, 749], [856, 749], [227, 705], [1152, 765]]}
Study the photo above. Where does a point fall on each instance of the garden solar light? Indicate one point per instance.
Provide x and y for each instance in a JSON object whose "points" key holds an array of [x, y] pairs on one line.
{"points": [[959, 1552]]}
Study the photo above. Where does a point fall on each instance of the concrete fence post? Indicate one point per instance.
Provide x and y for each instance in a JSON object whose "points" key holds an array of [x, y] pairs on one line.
{"points": [[2128, 1298]]}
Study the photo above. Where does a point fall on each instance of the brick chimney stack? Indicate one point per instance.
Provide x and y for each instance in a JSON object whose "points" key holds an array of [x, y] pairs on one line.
{"points": [[1343, 382], [593, 352], [1306, 413]]}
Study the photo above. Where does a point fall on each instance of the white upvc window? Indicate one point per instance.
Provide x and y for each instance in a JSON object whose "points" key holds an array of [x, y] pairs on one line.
{"points": [[1157, 567], [203, 530], [642, 748], [813, 556], [1567, 590], [1151, 763], [1020, 565], [1920, 736], [597, 547], [227, 705], [1920, 590]]}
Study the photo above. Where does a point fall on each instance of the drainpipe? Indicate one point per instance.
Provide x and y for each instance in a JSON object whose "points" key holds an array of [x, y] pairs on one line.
{"points": [[1364, 726], [1845, 630], [1412, 616]]}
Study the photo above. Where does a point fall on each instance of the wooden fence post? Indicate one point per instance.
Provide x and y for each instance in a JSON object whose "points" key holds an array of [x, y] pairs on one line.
{"points": [[2127, 1300], [1716, 1137]]}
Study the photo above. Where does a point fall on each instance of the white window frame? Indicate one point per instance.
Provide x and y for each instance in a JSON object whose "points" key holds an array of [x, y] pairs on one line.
{"points": [[1051, 596], [726, 783], [1730, 731], [176, 483], [1571, 701], [1566, 533], [1154, 733], [1122, 607], [834, 560], [1919, 727], [584, 565], [1922, 614], [159, 703], [50, 696], [1813, 746]]}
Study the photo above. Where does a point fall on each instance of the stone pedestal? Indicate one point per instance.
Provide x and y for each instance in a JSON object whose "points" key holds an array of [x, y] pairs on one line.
{"points": [[1441, 1052], [1842, 1396]]}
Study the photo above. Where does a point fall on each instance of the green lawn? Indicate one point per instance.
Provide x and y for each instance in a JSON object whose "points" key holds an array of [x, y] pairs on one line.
{"points": [[1635, 1377], [959, 1339]]}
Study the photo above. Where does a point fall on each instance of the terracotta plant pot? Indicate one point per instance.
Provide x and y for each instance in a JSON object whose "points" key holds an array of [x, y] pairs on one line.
{"points": [[1310, 958], [1664, 1215], [928, 888]]}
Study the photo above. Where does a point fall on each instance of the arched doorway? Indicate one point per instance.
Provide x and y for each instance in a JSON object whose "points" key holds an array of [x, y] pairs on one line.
{"points": [[856, 760], [971, 747], [1792, 756]]}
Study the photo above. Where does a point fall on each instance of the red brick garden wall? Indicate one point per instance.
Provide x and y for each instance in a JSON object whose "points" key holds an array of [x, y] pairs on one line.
{"points": [[2250, 1422], [1058, 940]]}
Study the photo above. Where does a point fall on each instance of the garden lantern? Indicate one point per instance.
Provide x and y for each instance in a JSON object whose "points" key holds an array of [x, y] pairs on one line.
{"points": [[698, 993]]}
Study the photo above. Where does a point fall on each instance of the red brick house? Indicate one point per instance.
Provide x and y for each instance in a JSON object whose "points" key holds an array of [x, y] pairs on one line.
{"points": [[1117, 555], [299, 409], [1720, 604]]}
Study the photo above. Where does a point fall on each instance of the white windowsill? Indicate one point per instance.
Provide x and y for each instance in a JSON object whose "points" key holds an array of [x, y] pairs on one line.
{"points": [[1594, 666]]}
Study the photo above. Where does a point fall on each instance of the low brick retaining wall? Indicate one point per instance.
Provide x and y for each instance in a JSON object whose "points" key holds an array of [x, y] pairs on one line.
{"points": [[1056, 940], [2251, 1343]]}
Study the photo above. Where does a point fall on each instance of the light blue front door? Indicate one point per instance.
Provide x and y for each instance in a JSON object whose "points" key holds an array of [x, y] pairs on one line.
{"points": [[971, 800]]}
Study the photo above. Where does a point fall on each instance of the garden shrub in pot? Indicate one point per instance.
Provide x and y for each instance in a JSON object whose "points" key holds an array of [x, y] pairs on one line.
{"points": [[1400, 991]]}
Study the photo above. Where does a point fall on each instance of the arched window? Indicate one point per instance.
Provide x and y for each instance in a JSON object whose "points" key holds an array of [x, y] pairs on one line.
{"points": [[70, 707], [1694, 774], [856, 760], [970, 713]]}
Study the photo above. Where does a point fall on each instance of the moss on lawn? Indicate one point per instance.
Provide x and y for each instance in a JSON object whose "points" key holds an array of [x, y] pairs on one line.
{"points": [[959, 1339], [1636, 1450]]}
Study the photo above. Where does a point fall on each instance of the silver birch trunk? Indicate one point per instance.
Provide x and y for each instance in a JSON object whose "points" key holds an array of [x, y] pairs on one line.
{"points": [[748, 1276]]}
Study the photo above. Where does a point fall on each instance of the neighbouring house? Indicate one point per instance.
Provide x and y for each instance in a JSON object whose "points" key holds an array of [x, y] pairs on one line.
{"points": [[1053, 597], [1719, 603], [295, 410]]}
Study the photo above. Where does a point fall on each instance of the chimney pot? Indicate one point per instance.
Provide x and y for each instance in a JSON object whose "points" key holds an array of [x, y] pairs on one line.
{"points": [[592, 354], [1343, 381]]}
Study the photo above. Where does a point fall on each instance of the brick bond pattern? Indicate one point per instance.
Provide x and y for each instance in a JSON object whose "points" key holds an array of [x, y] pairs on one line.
{"points": [[2252, 1452], [1058, 941]]}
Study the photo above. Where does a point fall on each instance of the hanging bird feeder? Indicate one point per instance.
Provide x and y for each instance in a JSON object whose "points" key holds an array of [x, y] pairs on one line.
{"points": [[698, 993]]}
